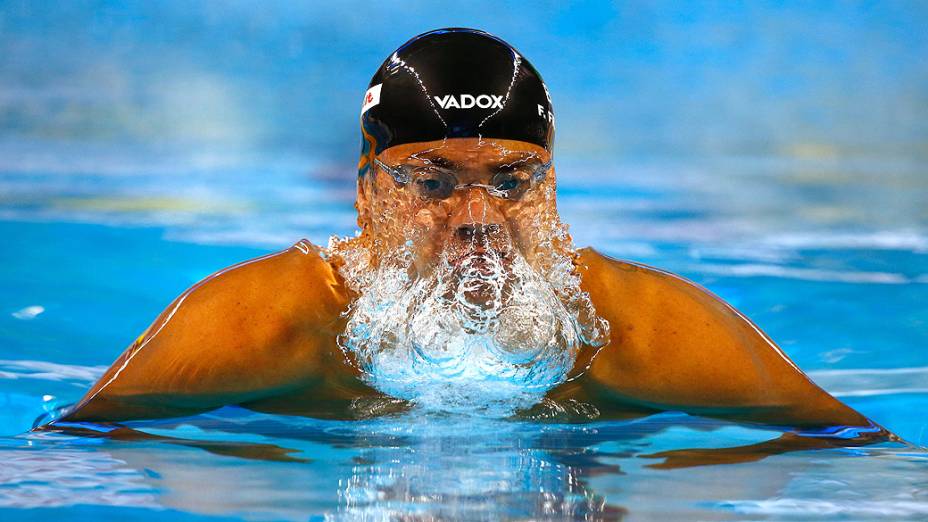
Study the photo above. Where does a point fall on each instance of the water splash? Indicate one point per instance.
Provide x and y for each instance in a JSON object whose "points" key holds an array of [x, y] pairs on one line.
{"points": [[490, 323]]}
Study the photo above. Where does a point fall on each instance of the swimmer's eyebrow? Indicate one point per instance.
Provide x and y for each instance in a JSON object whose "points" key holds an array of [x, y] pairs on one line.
{"points": [[505, 165], [517, 163], [439, 161]]}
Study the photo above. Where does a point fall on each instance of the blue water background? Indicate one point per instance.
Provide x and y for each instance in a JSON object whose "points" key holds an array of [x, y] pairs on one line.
{"points": [[774, 152]]}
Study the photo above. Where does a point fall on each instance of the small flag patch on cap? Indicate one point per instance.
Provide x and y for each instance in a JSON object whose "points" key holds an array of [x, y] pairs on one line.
{"points": [[371, 98]]}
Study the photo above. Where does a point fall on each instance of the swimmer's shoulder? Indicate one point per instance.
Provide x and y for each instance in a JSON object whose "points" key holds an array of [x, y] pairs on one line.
{"points": [[676, 345], [296, 278], [593, 260], [296, 286], [246, 332], [639, 286], [649, 308], [607, 276]]}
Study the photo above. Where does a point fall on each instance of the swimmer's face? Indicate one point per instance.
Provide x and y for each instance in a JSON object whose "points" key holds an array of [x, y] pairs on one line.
{"points": [[463, 278], [457, 197]]}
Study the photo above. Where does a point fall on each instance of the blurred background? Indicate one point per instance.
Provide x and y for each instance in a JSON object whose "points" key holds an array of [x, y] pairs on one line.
{"points": [[775, 152]]}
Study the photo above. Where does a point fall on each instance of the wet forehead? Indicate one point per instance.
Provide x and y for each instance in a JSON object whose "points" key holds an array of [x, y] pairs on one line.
{"points": [[467, 152]]}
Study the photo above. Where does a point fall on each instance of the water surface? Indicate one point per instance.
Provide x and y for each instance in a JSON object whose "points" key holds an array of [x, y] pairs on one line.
{"points": [[774, 153]]}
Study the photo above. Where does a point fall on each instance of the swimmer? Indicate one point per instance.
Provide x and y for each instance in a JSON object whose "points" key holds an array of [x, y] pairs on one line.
{"points": [[462, 287]]}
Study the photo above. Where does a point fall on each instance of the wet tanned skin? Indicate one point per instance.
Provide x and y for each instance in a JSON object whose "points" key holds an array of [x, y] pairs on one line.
{"points": [[252, 332], [676, 346], [434, 224], [262, 334]]}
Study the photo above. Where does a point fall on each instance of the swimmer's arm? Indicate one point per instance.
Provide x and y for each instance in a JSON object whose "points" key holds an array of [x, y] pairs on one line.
{"points": [[256, 330], [676, 346]]}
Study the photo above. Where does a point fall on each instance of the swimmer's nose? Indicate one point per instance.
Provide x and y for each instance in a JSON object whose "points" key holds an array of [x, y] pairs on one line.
{"points": [[470, 231], [476, 215]]}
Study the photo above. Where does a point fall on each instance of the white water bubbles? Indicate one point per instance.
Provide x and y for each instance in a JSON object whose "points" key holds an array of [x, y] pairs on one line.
{"points": [[482, 314], [483, 330]]}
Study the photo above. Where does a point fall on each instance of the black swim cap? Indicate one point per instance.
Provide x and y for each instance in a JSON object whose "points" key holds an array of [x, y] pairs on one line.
{"points": [[455, 83]]}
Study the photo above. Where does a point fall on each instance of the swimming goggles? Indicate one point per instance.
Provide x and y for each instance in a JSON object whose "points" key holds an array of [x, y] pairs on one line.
{"points": [[436, 183]]}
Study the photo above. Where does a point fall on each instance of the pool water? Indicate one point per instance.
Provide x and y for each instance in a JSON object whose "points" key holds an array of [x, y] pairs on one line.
{"points": [[91, 257], [772, 152]]}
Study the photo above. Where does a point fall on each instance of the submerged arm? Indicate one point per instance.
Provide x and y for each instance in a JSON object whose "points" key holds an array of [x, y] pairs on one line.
{"points": [[788, 442]]}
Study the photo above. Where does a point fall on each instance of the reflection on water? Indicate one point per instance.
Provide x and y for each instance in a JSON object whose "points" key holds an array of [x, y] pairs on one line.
{"points": [[440, 471], [33, 476], [421, 467]]}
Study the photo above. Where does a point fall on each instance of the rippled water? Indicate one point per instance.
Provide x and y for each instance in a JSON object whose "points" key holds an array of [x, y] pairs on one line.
{"points": [[773, 153], [90, 257]]}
